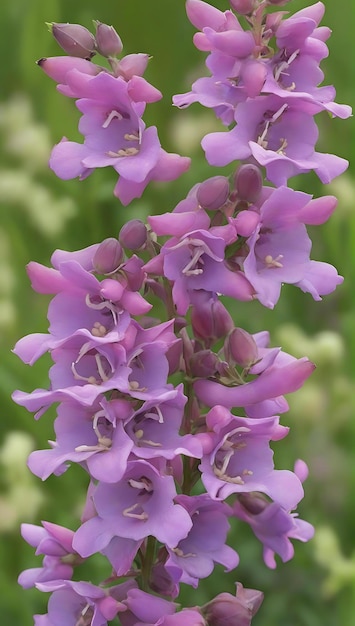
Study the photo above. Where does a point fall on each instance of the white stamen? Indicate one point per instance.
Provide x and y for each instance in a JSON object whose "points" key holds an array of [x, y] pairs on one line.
{"points": [[273, 263], [128, 513], [100, 367], [98, 330], [113, 115], [127, 152], [141, 484], [131, 137]]}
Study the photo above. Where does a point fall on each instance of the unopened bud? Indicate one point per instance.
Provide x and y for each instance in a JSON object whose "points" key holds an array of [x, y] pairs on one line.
{"points": [[253, 502], [231, 610], [213, 193], [133, 235], [74, 39], [204, 364], [240, 348], [243, 7], [108, 256], [210, 320], [248, 182], [108, 42], [132, 65]]}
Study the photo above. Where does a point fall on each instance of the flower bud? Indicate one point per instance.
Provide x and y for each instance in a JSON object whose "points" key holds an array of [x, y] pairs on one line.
{"points": [[204, 364], [213, 193], [248, 182], [253, 502], [74, 39], [132, 65], [108, 256], [108, 42], [231, 610], [210, 320], [243, 7], [240, 348], [133, 235]]}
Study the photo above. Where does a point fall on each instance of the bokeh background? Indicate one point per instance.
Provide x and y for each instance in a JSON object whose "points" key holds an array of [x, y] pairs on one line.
{"points": [[39, 213]]}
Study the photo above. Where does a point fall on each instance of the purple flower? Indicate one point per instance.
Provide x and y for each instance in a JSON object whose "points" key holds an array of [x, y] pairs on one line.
{"points": [[272, 525], [154, 428], [141, 504], [280, 135], [115, 135], [74, 603], [55, 542], [196, 555], [275, 381], [196, 262], [241, 459], [93, 437], [279, 247]]}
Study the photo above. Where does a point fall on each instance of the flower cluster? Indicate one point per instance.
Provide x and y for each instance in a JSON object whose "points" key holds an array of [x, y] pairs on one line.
{"points": [[271, 97], [170, 419], [112, 105]]}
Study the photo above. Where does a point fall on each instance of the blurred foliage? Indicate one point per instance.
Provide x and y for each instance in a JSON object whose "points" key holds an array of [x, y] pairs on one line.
{"points": [[40, 213]]}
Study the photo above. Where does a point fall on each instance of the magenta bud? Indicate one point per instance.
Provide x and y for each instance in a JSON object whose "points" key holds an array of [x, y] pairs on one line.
{"points": [[210, 320], [243, 7], [248, 181], [108, 42], [108, 256], [253, 503], [240, 348], [74, 39], [204, 364], [132, 65], [233, 610], [133, 235], [213, 193]]}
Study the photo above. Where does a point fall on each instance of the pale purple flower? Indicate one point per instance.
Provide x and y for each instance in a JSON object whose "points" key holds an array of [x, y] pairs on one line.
{"points": [[280, 135], [73, 603], [241, 459], [154, 428], [279, 247], [92, 436], [55, 542], [273, 526], [115, 135], [205, 544], [141, 504]]}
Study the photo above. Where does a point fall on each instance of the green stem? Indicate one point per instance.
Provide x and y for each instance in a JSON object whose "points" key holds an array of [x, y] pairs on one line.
{"points": [[147, 562]]}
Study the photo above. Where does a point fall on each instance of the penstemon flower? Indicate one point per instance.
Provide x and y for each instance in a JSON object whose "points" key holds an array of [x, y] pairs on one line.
{"points": [[169, 419]]}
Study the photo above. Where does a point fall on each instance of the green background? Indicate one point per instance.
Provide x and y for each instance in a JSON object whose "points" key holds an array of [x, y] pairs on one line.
{"points": [[39, 213]]}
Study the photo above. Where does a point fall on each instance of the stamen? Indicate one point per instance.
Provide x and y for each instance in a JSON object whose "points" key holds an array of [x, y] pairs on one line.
{"points": [[247, 472], [143, 483], [113, 115], [196, 258], [151, 443], [158, 417], [105, 304], [122, 152], [273, 263], [91, 379], [131, 137], [98, 330], [85, 617], [128, 513], [100, 367], [180, 553]]}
